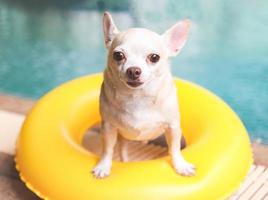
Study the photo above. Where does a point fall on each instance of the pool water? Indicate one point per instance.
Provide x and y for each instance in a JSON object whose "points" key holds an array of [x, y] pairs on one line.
{"points": [[45, 43]]}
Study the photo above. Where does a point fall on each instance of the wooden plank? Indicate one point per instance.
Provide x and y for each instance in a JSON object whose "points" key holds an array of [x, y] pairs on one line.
{"points": [[248, 181], [150, 153], [161, 153], [265, 198], [252, 168], [134, 149], [255, 186], [262, 192], [135, 156]]}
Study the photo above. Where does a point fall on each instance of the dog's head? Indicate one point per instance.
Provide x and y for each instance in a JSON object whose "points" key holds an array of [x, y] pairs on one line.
{"points": [[138, 55]]}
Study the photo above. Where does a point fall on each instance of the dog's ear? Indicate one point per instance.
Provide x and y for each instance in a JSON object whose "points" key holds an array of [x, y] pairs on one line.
{"points": [[176, 37], [109, 29]]}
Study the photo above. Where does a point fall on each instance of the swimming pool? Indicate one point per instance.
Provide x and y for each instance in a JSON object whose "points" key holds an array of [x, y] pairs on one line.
{"points": [[44, 45]]}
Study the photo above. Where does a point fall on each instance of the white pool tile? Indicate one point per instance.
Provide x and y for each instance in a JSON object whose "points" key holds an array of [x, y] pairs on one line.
{"points": [[10, 124]]}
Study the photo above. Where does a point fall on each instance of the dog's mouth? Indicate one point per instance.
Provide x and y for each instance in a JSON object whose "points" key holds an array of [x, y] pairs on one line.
{"points": [[134, 83]]}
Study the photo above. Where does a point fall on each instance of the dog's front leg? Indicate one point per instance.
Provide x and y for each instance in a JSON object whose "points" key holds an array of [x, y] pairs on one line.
{"points": [[109, 134], [123, 149], [173, 136]]}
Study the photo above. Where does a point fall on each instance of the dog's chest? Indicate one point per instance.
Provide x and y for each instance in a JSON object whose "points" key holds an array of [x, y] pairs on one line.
{"points": [[139, 119]]}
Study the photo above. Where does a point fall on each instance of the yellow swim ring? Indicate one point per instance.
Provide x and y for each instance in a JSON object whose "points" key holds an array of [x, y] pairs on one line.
{"points": [[55, 166]]}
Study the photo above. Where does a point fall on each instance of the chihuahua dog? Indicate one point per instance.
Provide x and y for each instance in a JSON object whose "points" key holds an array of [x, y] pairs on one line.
{"points": [[138, 99]]}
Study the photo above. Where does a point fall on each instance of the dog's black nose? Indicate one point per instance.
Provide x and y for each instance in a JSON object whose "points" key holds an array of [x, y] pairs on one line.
{"points": [[133, 73]]}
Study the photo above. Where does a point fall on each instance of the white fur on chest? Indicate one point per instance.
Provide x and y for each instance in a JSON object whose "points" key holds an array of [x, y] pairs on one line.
{"points": [[139, 121]]}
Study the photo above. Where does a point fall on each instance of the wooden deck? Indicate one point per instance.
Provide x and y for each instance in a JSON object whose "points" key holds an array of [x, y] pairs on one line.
{"points": [[255, 187]]}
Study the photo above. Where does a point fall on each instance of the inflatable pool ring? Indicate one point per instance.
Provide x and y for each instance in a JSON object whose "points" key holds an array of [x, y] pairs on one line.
{"points": [[55, 166]]}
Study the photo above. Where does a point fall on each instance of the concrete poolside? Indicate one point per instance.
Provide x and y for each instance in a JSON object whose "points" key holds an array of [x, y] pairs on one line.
{"points": [[12, 114]]}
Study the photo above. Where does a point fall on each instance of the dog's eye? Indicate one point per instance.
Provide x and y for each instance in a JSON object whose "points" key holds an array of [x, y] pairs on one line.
{"points": [[118, 56], [154, 58]]}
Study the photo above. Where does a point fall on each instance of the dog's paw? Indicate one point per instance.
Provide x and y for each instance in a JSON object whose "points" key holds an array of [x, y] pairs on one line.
{"points": [[102, 170], [184, 168]]}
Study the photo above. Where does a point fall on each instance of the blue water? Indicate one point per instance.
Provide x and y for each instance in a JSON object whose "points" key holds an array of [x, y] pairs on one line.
{"points": [[45, 43]]}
